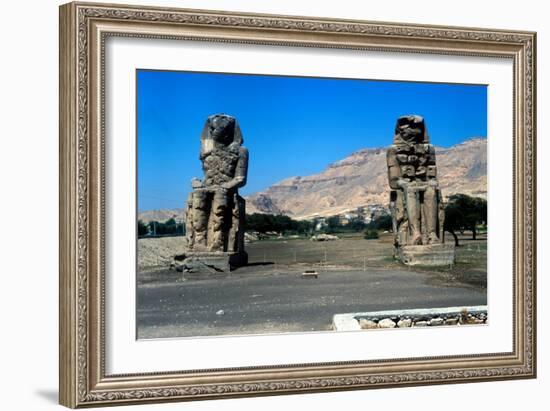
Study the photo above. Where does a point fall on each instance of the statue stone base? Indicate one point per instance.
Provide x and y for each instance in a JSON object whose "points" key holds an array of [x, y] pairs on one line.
{"points": [[432, 255], [209, 264]]}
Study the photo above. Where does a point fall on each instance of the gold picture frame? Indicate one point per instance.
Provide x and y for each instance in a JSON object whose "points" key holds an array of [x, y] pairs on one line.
{"points": [[83, 30]]}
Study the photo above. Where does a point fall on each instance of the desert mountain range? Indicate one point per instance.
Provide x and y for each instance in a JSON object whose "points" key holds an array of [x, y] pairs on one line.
{"points": [[161, 215], [359, 180]]}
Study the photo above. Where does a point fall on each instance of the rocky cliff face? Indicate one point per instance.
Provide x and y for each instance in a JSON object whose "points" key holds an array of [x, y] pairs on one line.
{"points": [[361, 179]]}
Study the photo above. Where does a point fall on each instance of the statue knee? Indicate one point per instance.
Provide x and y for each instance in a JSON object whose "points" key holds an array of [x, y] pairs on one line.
{"points": [[200, 199], [219, 203]]}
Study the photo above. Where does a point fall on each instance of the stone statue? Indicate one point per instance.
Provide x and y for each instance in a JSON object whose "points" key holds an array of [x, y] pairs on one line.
{"points": [[415, 200], [215, 213]]}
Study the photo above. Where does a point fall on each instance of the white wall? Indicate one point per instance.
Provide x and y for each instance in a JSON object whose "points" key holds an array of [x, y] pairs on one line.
{"points": [[28, 178]]}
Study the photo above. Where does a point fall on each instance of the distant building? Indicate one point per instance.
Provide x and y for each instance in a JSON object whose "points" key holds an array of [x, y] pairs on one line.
{"points": [[344, 219], [319, 223]]}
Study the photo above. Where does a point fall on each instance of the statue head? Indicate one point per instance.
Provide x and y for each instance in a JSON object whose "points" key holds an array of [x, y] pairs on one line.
{"points": [[410, 129], [222, 129]]}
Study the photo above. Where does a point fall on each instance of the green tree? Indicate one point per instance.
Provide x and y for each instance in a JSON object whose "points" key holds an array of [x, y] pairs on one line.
{"points": [[153, 227], [357, 224], [463, 212], [304, 227], [169, 227], [333, 224], [143, 229], [264, 223], [383, 222], [259, 222]]}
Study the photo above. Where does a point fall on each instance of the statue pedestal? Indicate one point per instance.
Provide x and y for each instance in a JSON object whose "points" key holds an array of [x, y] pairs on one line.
{"points": [[201, 264], [428, 255]]}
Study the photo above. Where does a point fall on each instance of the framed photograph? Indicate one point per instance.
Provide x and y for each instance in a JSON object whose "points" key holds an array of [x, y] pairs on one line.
{"points": [[260, 204]]}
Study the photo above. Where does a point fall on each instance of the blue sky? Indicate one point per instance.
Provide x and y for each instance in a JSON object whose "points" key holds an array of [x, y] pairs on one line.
{"points": [[291, 125]]}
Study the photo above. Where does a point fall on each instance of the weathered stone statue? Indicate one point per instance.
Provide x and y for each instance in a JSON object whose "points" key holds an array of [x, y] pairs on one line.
{"points": [[415, 200], [215, 213]]}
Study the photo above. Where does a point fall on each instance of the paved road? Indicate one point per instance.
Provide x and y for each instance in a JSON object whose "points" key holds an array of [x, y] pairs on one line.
{"points": [[285, 302]]}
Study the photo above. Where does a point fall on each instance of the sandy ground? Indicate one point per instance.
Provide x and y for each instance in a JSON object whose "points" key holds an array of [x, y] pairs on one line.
{"points": [[158, 252]]}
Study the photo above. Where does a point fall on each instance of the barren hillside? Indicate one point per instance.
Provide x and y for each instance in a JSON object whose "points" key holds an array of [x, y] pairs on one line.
{"points": [[361, 179]]}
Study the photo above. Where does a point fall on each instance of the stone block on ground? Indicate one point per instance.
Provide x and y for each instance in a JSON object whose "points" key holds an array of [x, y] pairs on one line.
{"points": [[406, 322], [386, 323], [416, 317], [367, 324], [434, 322], [197, 265]]}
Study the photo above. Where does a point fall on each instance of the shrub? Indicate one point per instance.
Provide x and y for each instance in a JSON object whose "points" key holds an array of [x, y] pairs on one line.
{"points": [[383, 222], [371, 234]]}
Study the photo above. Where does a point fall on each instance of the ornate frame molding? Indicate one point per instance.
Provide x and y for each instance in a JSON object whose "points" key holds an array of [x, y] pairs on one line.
{"points": [[83, 30]]}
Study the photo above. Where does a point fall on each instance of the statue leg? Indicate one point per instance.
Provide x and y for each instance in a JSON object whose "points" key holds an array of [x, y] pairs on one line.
{"points": [[430, 212], [413, 215], [189, 230], [399, 223], [218, 228], [232, 242], [441, 216], [200, 217], [239, 216]]}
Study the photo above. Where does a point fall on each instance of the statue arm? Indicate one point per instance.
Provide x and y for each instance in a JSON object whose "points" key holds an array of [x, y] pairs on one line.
{"points": [[432, 169], [394, 170], [206, 148], [207, 145], [241, 171], [431, 155]]}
